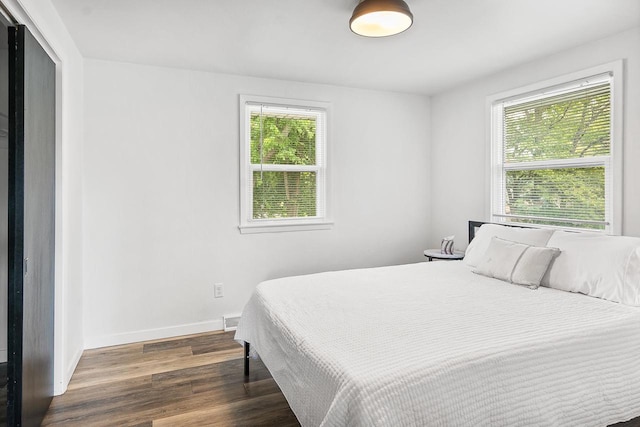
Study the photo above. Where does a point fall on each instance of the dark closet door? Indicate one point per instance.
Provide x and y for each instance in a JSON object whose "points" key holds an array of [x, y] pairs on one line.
{"points": [[31, 229]]}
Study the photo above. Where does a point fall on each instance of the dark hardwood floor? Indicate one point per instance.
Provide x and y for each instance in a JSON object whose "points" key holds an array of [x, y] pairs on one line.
{"points": [[195, 380]]}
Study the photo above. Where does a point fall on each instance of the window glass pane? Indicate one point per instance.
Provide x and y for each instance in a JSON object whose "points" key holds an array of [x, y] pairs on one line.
{"points": [[570, 125], [287, 139], [571, 193], [284, 194]]}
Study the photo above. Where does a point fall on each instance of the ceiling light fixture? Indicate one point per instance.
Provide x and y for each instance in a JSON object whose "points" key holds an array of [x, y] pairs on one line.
{"points": [[380, 18]]}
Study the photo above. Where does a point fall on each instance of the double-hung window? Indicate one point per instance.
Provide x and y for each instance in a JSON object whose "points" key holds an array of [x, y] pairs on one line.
{"points": [[283, 164], [556, 157]]}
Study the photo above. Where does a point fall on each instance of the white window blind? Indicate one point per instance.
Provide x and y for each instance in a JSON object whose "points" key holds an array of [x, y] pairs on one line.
{"points": [[552, 151], [284, 164]]}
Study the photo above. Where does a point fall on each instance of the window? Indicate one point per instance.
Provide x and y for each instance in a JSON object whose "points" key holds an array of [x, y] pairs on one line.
{"points": [[283, 164], [556, 157]]}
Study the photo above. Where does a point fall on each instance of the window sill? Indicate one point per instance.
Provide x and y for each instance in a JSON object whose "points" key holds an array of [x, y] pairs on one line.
{"points": [[279, 228], [604, 232]]}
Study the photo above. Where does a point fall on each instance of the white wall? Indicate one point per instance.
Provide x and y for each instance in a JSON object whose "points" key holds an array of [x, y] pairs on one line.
{"points": [[44, 22], [161, 196], [459, 166]]}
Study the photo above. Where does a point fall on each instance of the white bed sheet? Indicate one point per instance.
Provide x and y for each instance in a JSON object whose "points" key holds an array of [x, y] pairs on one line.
{"points": [[433, 344]]}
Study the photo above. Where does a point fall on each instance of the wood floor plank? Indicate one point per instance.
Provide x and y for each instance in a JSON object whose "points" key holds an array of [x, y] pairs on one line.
{"points": [[179, 380], [174, 359], [200, 343], [264, 410], [227, 373], [262, 387], [128, 409], [72, 400]]}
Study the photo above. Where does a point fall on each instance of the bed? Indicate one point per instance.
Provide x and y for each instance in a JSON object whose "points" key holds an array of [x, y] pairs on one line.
{"points": [[436, 344]]}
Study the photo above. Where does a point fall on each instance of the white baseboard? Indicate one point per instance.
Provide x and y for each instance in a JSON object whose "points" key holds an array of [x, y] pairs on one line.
{"points": [[3, 356], [152, 334], [61, 387]]}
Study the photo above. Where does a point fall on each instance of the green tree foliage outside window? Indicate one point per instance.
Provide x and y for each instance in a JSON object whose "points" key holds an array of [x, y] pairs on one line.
{"points": [[567, 126], [283, 140], [572, 193]]}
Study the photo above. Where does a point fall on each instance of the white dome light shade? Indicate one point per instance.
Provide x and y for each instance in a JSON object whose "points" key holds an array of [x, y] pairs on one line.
{"points": [[380, 18]]}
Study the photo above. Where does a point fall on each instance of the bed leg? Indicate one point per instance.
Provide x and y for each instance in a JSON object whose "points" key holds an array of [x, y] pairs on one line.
{"points": [[246, 358]]}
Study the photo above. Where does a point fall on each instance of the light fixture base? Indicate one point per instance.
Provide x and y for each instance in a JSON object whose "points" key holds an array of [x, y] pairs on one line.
{"points": [[380, 18]]}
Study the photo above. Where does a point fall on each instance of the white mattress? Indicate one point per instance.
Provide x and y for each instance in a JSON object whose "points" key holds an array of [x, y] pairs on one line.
{"points": [[433, 344]]}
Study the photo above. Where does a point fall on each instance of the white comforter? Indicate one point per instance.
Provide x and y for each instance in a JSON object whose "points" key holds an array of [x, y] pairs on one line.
{"points": [[433, 344]]}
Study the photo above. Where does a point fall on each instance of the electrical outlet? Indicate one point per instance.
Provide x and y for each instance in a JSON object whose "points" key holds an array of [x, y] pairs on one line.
{"points": [[218, 290]]}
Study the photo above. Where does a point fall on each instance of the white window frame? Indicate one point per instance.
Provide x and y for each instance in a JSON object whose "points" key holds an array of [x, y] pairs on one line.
{"points": [[613, 186], [321, 222]]}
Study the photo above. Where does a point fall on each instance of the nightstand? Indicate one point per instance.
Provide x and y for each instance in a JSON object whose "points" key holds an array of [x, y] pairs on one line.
{"points": [[432, 254]]}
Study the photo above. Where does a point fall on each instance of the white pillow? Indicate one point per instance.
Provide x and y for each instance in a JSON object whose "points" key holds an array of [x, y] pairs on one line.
{"points": [[606, 267], [480, 243], [515, 262]]}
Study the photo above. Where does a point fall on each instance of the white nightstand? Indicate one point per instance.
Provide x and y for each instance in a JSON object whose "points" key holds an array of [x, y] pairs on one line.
{"points": [[432, 254]]}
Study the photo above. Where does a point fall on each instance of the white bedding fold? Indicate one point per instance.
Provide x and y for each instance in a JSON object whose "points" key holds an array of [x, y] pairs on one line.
{"points": [[434, 344]]}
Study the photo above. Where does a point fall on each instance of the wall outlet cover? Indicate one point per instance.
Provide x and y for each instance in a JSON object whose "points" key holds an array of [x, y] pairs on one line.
{"points": [[218, 290]]}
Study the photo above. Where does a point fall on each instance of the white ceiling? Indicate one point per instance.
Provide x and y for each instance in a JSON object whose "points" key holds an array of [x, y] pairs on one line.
{"points": [[451, 41]]}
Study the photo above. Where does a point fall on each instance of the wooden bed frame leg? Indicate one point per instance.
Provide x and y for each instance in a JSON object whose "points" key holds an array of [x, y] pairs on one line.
{"points": [[247, 346]]}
